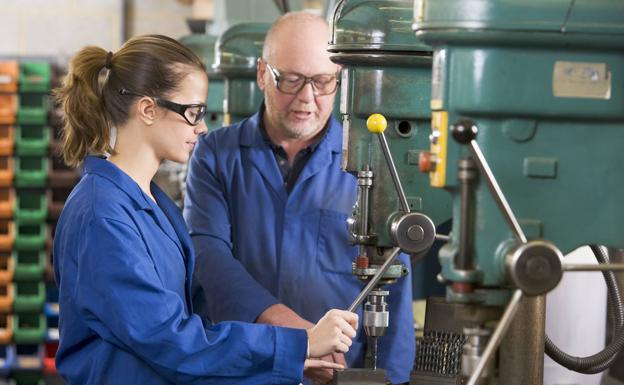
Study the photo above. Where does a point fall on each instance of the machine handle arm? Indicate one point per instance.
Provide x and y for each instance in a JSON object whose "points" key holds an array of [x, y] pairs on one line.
{"points": [[376, 124], [373, 282], [465, 132], [572, 267]]}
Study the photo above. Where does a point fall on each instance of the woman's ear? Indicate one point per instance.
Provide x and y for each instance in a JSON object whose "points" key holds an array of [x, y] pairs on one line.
{"points": [[146, 110]]}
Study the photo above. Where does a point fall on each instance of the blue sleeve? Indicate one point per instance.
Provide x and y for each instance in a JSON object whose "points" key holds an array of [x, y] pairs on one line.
{"points": [[121, 297], [218, 274], [397, 348]]}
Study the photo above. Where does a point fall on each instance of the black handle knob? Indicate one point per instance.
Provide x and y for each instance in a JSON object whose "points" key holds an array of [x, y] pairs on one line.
{"points": [[464, 130]]}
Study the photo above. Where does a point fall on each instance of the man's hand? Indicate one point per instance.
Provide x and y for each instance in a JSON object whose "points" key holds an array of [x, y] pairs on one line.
{"points": [[323, 375], [282, 315], [315, 363]]}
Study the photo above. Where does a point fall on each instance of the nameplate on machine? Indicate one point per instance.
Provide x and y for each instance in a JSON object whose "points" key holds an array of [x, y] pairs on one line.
{"points": [[581, 80]]}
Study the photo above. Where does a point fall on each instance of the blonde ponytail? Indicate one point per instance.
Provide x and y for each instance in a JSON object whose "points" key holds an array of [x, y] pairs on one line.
{"points": [[86, 128], [90, 94]]}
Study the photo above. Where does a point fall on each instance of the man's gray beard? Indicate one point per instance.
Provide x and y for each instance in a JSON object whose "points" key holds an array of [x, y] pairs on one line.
{"points": [[292, 134]]}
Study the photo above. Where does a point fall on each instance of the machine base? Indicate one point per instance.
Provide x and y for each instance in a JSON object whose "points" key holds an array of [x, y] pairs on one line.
{"points": [[360, 377]]}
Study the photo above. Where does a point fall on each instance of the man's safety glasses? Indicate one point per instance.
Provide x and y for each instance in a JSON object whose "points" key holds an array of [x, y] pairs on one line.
{"points": [[291, 82]]}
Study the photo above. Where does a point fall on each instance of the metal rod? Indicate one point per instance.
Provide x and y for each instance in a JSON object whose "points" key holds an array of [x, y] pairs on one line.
{"points": [[373, 282], [497, 336], [463, 259], [364, 184], [497, 193], [393, 172], [593, 267], [371, 352], [443, 237], [366, 179]]}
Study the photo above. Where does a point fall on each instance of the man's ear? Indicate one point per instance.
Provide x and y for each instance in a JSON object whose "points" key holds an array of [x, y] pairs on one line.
{"points": [[146, 110], [260, 72]]}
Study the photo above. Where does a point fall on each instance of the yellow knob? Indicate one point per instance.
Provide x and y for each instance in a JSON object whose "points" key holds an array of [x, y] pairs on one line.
{"points": [[376, 123]]}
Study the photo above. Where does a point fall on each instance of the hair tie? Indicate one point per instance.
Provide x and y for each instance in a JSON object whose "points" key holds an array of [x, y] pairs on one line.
{"points": [[109, 60]]}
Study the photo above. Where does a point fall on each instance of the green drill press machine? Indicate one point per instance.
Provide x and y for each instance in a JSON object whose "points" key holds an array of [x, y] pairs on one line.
{"points": [[523, 92], [385, 69], [527, 103]]}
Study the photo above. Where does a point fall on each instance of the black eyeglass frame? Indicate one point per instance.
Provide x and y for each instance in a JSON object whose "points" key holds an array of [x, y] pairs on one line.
{"points": [[277, 77], [172, 106]]}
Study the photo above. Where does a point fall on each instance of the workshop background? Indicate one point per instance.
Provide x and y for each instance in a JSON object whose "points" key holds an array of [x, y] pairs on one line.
{"points": [[37, 39]]}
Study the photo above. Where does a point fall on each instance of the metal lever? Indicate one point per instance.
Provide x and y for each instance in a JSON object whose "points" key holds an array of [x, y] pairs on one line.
{"points": [[465, 131], [376, 123], [443, 237], [497, 336], [373, 282], [572, 267]]}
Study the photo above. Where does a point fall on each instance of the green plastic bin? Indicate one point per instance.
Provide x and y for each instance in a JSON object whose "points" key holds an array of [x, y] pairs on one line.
{"points": [[31, 206], [33, 108], [29, 264], [29, 296], [29, 328], [28, 378], [31, 171], [35, 76], [30, 236], [32, 139]]}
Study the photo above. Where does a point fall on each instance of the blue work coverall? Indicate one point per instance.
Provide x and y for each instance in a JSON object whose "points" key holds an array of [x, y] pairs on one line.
{"points": [[123, 264], [257, 245]]}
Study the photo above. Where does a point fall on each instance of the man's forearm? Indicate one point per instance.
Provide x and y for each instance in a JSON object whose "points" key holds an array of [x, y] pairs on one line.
{"points": [[282, 315]]}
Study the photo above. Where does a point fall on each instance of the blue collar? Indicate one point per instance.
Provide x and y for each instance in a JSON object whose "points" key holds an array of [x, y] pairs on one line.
{"points": [[276, 147], [106, 169]]}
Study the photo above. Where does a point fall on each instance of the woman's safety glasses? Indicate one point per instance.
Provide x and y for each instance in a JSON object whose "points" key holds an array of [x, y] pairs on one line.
{"points": [[192, 113]]}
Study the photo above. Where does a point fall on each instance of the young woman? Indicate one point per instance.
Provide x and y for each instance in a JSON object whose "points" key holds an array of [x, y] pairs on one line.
{"points": [[123, 257]]}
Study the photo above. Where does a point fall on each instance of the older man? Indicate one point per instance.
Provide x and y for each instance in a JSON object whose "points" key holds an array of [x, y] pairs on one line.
{"points": [[267, 204]]}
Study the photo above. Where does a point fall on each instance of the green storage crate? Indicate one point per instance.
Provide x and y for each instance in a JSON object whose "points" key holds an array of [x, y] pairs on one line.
{"points": [[32, 139], [33, 108], [29, 328], [29, 379], [35, 76], [31, 206], [29, 296], [29, 264], [30, 236], [31, 171]]}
